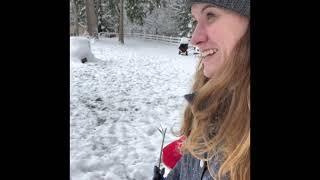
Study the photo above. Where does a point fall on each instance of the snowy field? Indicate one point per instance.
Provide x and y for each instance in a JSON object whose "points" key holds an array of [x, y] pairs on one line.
{"points": [[118, 101]]}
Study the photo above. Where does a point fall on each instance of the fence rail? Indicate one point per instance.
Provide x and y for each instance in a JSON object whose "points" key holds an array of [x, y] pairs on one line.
{"points": [[168, 39]]}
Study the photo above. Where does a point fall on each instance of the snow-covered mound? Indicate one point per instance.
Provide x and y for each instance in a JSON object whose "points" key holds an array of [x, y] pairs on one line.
{"points": [[80, 50]]}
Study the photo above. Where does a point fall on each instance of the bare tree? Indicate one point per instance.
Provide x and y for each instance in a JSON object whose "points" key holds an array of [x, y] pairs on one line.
{"points": [[75, 13], [121, 39], [91, 19]]}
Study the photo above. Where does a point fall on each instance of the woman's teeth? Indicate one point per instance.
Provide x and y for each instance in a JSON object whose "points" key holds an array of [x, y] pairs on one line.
{"points": [[208, 52]]}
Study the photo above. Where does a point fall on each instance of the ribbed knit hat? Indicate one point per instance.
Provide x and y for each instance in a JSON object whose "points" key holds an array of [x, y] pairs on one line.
{"points": [[240, 6]]}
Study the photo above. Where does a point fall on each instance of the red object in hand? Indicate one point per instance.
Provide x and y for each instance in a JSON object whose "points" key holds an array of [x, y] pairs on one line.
{"points": [[171, 154]]}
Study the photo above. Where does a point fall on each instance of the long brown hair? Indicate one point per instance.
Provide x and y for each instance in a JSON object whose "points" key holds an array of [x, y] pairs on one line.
{"points": [[217, 122]]}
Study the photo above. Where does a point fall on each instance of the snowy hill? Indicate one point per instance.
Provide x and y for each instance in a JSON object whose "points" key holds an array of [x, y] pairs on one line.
{"points": [[117, 103]]}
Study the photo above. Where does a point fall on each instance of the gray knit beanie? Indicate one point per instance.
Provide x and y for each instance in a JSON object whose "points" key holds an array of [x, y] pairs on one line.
{"points": [[240, 6]]}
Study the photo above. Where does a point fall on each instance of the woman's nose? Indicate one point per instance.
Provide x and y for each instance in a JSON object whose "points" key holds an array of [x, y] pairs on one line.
{"points": [[199, 35]]}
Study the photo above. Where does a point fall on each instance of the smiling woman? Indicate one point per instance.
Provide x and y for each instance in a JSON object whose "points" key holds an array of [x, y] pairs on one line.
{"points": [[216, 122], [216, 34]]}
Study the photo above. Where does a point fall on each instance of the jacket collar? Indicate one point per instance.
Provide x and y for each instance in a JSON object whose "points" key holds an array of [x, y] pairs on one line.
{"points": [[190, 97]]}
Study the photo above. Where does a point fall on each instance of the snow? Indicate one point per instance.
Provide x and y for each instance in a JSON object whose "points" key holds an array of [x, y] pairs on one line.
{"points": [[117, 103], [80, 48]]}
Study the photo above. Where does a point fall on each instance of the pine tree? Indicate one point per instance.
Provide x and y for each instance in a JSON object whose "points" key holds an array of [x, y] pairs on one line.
{"points": [[167, 17], [183, 17], [105, 17], [135, 11]]}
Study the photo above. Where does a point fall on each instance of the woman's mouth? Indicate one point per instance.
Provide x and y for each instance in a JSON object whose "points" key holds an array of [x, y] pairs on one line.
{"points": [[208, 52]]}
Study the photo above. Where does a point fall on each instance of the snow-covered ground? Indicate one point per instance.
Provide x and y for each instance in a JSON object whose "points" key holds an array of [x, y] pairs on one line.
{"points": [[117, 103]]}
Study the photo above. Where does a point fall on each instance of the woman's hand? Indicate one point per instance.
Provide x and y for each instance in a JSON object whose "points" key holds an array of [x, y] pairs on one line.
{"points": [[157, 174]]}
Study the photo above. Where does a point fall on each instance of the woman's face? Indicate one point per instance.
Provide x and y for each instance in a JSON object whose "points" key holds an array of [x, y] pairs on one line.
{"points": [[216, 34]]}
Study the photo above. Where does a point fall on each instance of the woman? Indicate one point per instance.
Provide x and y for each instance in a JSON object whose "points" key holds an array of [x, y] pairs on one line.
{"points": [[216, 121]]}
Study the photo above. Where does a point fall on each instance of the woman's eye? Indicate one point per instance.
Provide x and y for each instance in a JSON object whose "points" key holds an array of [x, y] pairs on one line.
{"points": [[210, 16]]}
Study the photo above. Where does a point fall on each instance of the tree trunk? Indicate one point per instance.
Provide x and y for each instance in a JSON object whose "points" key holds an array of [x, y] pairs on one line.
{"points": [[121, 38], [91, 19], [75, 12], [99, 14]]}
